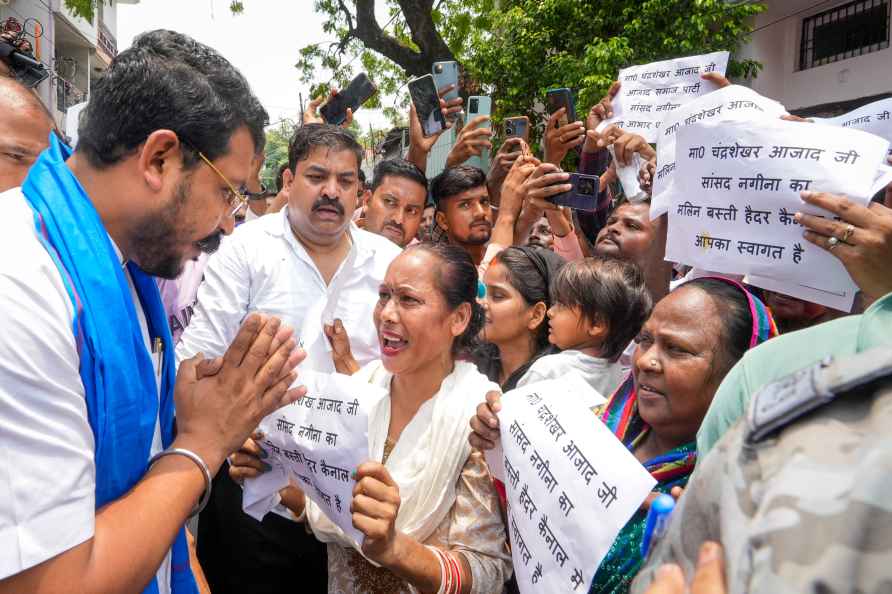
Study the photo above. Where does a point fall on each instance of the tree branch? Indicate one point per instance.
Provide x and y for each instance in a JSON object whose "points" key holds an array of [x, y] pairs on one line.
{"points": [[419, 17], [424, 34], [347, 15]]}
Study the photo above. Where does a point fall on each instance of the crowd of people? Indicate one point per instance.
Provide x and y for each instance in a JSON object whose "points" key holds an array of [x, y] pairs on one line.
{"points": [[158, 302]]}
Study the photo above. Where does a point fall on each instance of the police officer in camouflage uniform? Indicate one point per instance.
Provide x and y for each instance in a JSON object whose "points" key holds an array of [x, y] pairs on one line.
{"points": [[798, 492]]}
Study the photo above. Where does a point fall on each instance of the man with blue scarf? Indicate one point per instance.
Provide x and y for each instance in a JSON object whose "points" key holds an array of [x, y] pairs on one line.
{"points": [[97, 478]]}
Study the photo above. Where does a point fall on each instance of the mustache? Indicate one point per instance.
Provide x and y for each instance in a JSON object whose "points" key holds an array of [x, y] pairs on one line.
{"points": [[395, 225], [325, 201]]}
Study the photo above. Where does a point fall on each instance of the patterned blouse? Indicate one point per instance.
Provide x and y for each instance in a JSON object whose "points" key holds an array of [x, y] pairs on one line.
{"points": [[472, 528]]}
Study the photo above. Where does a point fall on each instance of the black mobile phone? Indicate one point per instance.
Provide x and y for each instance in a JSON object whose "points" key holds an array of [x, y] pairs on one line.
{"points": [[582, 196], [29, 71], [360, 90], [423, 92], [518, 127], [558, 98]]}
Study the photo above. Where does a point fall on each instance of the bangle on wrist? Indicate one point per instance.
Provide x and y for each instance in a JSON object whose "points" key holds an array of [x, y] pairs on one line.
{"points": [[440, 560], [205, 471], [456, 572]]}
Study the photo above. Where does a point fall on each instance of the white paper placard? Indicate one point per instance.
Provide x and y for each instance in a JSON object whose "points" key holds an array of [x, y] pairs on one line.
{"points": [[732, 103], [649, 91], [875, 118], [738, 186], [841, 300], [317, 443], [571, 487]]}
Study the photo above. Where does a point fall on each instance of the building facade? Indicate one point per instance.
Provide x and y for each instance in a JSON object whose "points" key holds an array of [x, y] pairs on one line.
{"points": [[822, 58], [73, 49]]}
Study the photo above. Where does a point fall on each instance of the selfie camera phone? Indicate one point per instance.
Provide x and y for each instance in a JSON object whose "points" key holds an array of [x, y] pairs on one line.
{"points": [[518, 127], [446, 73], [558, 98], [479, 106], [423, 92], [360, 90], [582, 196]]}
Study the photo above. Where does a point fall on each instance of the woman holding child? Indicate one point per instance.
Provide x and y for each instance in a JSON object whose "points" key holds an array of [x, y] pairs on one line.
{"points": [[425, 502], [691, 340]]}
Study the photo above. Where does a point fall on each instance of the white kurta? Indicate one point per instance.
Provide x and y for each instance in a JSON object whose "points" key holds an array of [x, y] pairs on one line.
{"points": [[47, 471]]}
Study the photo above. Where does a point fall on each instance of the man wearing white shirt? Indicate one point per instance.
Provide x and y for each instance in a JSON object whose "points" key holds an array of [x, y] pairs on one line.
{"points": [[308, 264], [86, 372]]}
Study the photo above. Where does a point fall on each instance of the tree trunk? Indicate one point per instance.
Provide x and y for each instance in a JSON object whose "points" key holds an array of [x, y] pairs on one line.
{"points": [[417, 14]]}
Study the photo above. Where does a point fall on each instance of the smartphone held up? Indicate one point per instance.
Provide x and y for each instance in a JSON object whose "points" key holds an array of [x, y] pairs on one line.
{"points": [[423, 93], [558, 98], [518, 127], [582, 196], [360, 90], [479, 106], [445, 74]]}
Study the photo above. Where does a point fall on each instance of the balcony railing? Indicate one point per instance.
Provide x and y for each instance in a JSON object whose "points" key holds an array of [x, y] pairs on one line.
{"points": [[106, 41]]}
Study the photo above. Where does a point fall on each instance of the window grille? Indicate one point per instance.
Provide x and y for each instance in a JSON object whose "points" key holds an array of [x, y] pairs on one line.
{"points": [[849, 30]]}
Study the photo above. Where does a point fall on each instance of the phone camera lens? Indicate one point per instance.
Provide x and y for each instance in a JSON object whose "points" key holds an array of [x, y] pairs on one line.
{"points": [[438, 69]]}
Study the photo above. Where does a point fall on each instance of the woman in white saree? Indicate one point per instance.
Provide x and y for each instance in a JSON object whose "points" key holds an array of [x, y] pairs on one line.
{"points": [[425, 502]]}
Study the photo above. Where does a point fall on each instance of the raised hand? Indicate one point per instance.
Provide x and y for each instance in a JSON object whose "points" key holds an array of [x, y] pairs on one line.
{"points": [[861, 240], [220, 403], [341, 355], [471, 141], [600, 111], [560, 140], [311, 113], [485, 424]]}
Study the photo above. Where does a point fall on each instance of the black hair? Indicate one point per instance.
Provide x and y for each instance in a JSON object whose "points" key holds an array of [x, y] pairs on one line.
{"points": [[456, 279], [398, 168], [362, 182], [735, 317], [280, 177], [455, 180], [530, 271], [608, 290], [167, 80], [310, 136]]}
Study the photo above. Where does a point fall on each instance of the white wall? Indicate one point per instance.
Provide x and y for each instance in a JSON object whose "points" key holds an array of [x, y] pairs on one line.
{"points": [[84, 27], [110, 17], [777, 48]]}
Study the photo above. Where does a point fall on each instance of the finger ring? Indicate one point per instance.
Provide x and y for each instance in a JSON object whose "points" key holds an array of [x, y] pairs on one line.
{"points": [[848, 234], [832, 242]]}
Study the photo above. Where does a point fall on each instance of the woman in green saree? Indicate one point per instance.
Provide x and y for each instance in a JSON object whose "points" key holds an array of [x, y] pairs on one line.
{"points": [[684, 350]]}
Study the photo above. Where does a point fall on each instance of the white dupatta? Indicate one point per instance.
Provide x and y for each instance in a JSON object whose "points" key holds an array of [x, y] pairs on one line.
{"points": [[428, 457]]}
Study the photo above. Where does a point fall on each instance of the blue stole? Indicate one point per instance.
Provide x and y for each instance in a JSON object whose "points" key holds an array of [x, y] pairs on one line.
{"points": [[115, 367]]}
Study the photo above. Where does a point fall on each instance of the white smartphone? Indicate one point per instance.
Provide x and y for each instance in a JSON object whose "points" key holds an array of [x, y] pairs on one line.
{"points": [[477, 106]]}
